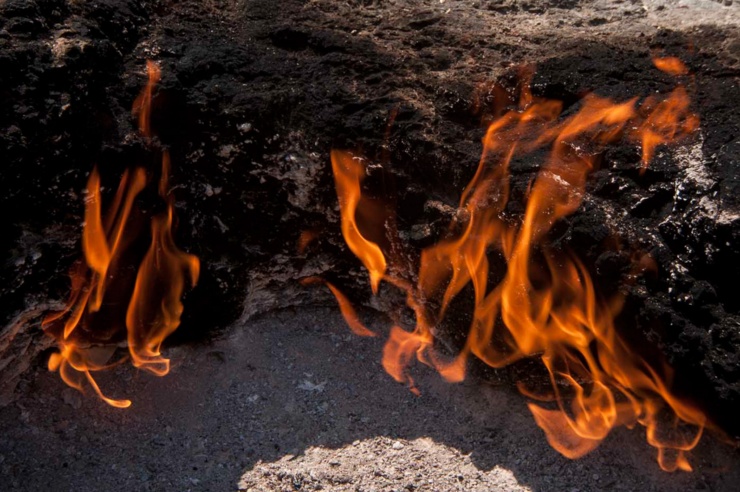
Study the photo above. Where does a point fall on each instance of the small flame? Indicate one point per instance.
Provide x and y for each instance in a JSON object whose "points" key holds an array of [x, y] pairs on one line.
{"points": [[671, 65], [545, 305], [349, 173], [143, 104], [345, 307], [101, 245], [305, 239], [154, 309], [666, 121]]}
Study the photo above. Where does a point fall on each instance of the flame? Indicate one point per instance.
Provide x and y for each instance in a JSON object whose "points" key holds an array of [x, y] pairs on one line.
{"points": [[667, 121], [307, 237], [345, 307], [100, 245], [671, 65], [154, 308], [143, 104], [545, 304], [348, 176]]}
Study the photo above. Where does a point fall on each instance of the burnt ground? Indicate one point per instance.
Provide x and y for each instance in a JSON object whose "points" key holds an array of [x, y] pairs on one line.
{"points": [[258, 410], [254, 96]]}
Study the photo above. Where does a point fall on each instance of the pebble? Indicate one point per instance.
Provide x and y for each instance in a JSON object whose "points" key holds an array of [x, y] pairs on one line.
{"points": [[72, 398]]}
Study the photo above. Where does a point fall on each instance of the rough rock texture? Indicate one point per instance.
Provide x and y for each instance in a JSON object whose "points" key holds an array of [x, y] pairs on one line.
{"points": [[253, 97], [274, 417]]}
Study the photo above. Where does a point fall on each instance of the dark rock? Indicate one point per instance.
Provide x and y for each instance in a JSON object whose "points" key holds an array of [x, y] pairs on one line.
{"points": [[254, 96]]}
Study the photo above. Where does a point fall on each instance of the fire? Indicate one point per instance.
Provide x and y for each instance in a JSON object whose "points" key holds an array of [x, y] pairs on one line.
{"points": [[143, 104], [671, 65], [85, 334], [545, 304], [666, 121], [345, 307], [348, 176], [155, 307]]}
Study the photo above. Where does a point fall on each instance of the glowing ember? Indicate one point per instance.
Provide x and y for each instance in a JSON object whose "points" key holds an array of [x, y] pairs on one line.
{"points": [[545, 305], [86, 339]]}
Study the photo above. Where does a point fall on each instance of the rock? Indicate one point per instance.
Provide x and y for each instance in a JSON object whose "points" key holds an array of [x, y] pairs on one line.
{"points": [[72, 397]]}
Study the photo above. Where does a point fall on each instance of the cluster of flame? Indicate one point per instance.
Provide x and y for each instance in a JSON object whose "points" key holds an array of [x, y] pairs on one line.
{"points": [[85, 341], [545, 305]]}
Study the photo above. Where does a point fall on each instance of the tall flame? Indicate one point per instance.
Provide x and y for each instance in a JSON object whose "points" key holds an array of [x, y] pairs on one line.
{"points": [[349, 173], [545, 305], [154, 309]]}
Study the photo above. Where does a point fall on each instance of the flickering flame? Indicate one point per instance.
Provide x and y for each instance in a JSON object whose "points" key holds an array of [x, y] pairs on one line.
{"points": [[348, 176], [85, 342], [155, 308], [143, 104], [545, 305], [101, 244], [305, 239], [345, 307], [671, 65], [667, 120]]}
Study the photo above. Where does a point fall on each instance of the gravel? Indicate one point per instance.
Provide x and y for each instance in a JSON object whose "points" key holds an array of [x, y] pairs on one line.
{"points": [[293, 401]]}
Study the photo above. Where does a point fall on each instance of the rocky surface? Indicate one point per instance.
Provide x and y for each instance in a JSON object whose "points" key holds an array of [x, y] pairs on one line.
{"points": [[257, 410], [254, 97]]}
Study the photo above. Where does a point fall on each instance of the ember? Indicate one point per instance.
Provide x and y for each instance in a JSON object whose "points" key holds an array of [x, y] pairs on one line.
{"points": [[545, 305], [91, 325]]}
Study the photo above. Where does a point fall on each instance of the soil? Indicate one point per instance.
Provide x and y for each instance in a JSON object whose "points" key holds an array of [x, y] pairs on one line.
{"points": [[253, 98], [294, 401]]}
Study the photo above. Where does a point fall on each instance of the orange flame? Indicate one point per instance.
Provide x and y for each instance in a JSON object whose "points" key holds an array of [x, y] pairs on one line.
{"points": [[143, 104], [154, 309], [545, 305], [348, 176], [671, 65], [305, 239], [345, 307], [100, 246], [666, 121]]}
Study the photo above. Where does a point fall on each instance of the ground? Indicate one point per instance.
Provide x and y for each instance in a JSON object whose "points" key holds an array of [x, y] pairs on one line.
{"points": [[293, 401]]}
